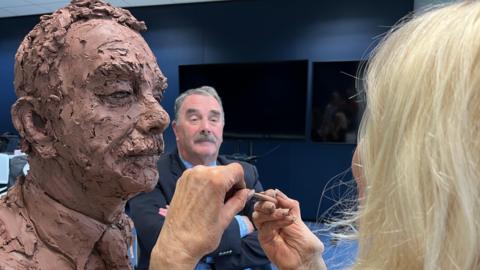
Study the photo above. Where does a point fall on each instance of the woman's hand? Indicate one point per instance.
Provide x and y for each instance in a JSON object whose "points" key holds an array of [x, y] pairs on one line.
{"points": [[206, 200], [286, 240]]}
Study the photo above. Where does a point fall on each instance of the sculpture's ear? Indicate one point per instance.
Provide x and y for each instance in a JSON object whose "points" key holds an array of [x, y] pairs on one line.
{"points": [[32, 128]]}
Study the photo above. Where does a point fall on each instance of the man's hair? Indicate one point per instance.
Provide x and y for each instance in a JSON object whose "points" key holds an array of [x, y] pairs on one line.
{"points": [[419, 145], [204, 91], [40, 52]]}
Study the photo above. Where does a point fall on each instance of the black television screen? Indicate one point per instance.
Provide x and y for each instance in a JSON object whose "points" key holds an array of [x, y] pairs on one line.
{"points": [[261, 100], [336, 107]]}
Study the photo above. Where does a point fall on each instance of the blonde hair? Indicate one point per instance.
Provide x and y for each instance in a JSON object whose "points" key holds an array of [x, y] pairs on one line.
{"points": [[420, 145]]}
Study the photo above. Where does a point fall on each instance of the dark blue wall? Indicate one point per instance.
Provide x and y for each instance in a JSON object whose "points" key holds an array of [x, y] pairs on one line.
{"points": [[242, 31]]}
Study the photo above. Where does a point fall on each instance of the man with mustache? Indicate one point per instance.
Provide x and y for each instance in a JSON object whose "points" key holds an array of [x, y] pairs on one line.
{"points": [[198, 127]]}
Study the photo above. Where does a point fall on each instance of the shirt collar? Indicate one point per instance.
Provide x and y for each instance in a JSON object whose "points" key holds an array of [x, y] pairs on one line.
{"points": [[71, 233], [189, 165]]}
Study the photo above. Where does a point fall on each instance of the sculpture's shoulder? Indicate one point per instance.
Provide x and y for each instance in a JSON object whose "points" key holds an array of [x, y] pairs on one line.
{"points": [[17, 234]]}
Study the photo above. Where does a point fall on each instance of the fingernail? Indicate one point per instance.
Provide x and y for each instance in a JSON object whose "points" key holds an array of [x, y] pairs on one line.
{"points": [[285, 212], [292, 218], [270, 206], [280, 194], [250, 194]]}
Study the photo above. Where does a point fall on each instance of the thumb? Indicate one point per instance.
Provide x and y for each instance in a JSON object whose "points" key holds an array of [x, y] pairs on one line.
{"points": [[234, 176], [233, 205]]}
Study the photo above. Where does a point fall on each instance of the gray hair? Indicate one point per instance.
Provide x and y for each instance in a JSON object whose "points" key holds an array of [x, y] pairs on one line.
{"points": [[203, 91]]}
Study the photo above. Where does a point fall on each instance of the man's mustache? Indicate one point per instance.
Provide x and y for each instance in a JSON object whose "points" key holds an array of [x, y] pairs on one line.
{"points": [[204, 137]]}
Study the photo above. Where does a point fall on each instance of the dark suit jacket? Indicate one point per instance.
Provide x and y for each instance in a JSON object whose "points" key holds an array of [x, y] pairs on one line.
{"points": [[233, 253]]}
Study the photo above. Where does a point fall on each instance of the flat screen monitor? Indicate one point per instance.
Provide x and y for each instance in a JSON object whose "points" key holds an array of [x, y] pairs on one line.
{"points": [[261, 100], [337, 106]]}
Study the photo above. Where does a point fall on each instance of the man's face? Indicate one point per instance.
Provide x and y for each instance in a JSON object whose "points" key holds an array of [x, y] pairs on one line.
{"points": [[199, 129], [110, 124]]}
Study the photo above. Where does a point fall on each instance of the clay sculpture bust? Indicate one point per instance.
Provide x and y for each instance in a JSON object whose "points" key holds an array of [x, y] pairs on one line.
{"points": [[88, 112]]}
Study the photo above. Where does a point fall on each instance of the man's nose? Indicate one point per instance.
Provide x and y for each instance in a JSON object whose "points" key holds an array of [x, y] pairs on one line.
{"points": [[154, 119], [205, 126]]}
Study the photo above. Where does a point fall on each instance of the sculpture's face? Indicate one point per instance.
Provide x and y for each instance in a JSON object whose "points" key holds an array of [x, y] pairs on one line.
{"points": [[111, 122]]}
